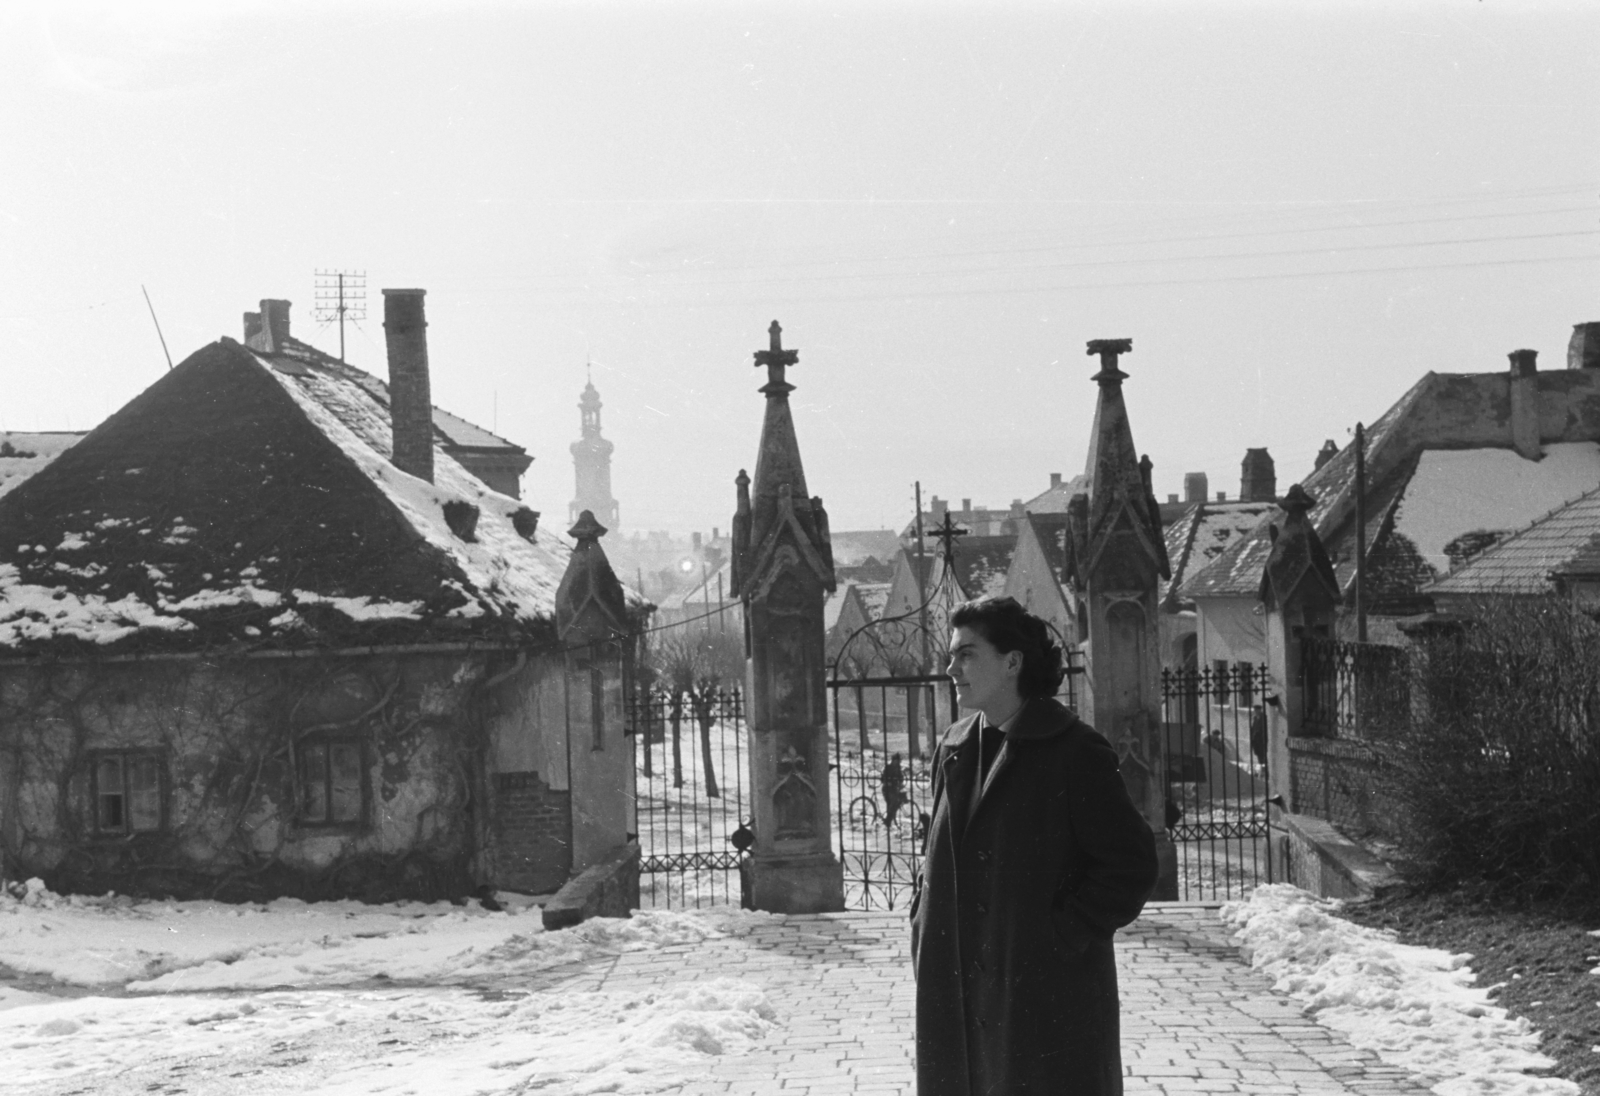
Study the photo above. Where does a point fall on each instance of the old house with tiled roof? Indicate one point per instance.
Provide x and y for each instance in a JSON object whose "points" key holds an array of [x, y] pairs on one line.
{"points": [[1558, 553], [262, 633], [1459, 462]]}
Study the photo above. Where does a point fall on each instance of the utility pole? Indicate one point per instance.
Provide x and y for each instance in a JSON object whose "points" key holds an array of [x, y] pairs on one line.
{"points": [[340, 294], [1361, 534]]}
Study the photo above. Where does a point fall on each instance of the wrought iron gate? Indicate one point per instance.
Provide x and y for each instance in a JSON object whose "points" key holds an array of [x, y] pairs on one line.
{"points": [[1215, 742], [884, 729], [689, 770]]}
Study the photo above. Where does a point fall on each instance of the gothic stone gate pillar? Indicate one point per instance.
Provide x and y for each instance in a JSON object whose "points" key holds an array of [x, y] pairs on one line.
{"points": [[1119, 561], [783, 573]]}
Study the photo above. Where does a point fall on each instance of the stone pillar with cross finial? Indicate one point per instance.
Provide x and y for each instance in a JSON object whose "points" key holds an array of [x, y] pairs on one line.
{"points": [[1119, 559], [783, 573]]}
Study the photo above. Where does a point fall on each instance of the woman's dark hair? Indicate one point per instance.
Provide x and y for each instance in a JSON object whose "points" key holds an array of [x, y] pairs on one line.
{"points": [[1010, 627]]}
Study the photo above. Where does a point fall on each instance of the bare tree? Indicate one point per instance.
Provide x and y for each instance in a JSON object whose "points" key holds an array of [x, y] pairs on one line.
{"points": [[696, 667]]}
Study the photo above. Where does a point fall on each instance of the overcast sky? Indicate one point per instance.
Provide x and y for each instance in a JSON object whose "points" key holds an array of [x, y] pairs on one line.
{"points": [[1294, 210]]}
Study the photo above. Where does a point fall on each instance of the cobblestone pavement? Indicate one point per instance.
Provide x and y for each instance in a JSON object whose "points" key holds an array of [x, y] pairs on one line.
{"points": [[1194, 1017]]}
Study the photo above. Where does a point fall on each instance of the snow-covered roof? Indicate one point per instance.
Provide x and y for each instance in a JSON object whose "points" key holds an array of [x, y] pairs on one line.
{"points": [[1443, 413], [1054, 500], [1565, 541], [1204, 532], [23, 454], [449, 429], [247, 499]]}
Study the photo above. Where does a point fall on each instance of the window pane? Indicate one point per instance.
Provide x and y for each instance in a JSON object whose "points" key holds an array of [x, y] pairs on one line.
{"points": [[109, 793], [144, 793], [345, 797], [314, 782]]}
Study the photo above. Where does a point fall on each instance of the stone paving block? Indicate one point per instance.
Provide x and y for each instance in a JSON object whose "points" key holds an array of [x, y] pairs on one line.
{"points": [[1195, 1019]]}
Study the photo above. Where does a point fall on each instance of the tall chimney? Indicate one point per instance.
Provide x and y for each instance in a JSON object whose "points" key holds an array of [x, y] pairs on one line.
{"points": [[1525, 404], [410, 398], [1258, 477], [1583, 352], [1195, 487], [275, 323]]}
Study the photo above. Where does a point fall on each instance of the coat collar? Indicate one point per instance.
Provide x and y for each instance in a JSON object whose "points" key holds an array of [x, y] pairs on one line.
{"points": [[1040, 718]]}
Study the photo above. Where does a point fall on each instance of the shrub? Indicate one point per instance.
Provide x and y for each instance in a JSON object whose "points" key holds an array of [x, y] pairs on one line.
{"points": [[1498, 772]]}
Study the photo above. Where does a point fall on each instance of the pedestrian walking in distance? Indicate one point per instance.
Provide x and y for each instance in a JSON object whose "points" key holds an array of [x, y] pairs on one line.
{"points": [[893, 783], [1035, 857]]}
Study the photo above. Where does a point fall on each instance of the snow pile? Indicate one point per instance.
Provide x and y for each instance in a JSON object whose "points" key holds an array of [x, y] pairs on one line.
{"points": [[1415, 1007], [168, 947], [345, 998]]}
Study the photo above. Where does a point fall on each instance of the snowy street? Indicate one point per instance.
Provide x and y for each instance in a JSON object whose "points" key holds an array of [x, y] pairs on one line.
{"points": [[1275, 995], [345, 998]]}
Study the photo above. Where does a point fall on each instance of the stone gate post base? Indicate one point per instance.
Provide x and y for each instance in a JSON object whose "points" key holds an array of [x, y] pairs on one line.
{"points": [[797, 884]]}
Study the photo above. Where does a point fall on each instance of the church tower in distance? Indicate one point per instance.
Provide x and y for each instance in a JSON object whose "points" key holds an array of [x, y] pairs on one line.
{"points": [[591, 459]]}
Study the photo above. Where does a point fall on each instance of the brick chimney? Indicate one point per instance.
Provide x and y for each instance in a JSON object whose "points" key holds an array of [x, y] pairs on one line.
{"points": [[1325, 454], [1195, 487], [1055, 480], [410, 397], [1258, 477], [1583, 352], [1525, 404], [266, 331]]}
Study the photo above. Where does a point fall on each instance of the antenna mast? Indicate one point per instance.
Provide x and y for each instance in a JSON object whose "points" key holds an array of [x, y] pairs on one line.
{"points": [[340, 294]]}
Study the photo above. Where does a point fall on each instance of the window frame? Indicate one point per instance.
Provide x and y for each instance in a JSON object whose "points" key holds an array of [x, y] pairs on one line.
{"points": [[326, 822], [125, 829]]}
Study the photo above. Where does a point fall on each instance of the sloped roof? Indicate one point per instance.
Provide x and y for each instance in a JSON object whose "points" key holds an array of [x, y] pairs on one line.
{"points": [[982, 563], [246, 500], [1205, 531], [449, 430], [1442, 414], [1053, 500], [1565, 541], [23, 454], [1052, 531], [853, 547]]}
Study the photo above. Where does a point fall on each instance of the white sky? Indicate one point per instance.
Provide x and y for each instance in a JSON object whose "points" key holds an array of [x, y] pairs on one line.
{"points": [[1293, 210]]}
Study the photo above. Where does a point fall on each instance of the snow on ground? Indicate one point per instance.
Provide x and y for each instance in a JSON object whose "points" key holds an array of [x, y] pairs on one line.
{"points": [[1417, 1008], [346, 998]]}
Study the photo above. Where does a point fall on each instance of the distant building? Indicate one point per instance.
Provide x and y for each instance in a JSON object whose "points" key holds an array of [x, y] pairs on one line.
{"points": [[1457, 464], [591, 461]]}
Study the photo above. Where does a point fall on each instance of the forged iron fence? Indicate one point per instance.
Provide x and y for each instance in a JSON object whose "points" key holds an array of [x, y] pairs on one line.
{"points": [[1353, 690], [689, 768], [883, 729], [1214, 733]]}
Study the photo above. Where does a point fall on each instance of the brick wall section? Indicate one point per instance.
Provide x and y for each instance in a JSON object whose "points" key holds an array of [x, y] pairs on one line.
{"points": [[532, 834], [1341, 782]]}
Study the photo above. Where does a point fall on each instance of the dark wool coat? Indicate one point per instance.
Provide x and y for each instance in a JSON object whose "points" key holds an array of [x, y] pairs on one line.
{"points": [[1011, 929]]}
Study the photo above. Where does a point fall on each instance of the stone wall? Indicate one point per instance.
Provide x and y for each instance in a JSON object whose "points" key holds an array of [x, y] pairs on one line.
{"points": [[1341, 782]]}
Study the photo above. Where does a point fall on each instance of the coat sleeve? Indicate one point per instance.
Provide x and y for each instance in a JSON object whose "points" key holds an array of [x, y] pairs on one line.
{"points": [[1114, 866]]}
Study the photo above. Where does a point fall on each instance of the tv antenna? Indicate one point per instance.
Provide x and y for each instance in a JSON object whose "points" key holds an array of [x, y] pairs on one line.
{"points": [[340, 294]]}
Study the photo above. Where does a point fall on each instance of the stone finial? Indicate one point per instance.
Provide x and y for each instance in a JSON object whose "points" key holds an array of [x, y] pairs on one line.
{"points": [[590, 602], [776, 359], [1109, 350], [1298, 566]]}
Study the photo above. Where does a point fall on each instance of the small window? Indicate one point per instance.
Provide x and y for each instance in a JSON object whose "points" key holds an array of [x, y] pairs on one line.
{"points": [[126, 786], [332, 781], [1245, 683]]}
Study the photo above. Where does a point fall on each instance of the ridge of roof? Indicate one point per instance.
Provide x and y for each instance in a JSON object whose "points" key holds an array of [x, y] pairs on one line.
{"points": [[246, 502]]}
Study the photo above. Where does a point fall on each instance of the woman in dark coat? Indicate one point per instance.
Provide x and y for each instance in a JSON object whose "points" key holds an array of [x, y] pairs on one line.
{"points": [[1025, 878]]}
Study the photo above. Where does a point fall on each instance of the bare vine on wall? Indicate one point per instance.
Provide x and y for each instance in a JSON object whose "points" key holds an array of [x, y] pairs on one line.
{"points": [[228, 733]]}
